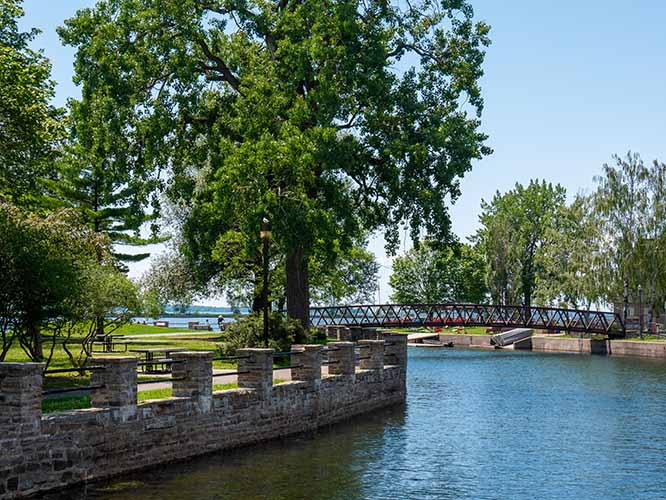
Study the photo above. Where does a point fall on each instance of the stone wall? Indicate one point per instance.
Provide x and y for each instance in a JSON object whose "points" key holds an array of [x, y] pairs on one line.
{"points": [[635, 348], [352, 333], [43, 452], [604, 347]]}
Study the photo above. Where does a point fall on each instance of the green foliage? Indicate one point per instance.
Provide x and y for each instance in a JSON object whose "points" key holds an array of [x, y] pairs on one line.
{"points": [[630, 211], [170, 282], [513, 233], [352, 280], [30, 127], [58, 278], [291, 111], [430, 275], [96, 176], [571, 262], [248, 332]]}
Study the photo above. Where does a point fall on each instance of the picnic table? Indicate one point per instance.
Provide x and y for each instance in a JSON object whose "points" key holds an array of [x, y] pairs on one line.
{"points": [[152, 357]]}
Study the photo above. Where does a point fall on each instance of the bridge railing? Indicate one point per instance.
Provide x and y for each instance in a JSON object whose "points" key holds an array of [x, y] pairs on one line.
{"points": [[395, 315]]}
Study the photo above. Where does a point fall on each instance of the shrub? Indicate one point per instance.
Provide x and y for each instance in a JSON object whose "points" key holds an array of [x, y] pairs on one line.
{"points": [[249, 332]]}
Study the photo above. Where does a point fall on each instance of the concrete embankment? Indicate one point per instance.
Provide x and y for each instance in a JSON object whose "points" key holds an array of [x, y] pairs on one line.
{"points": [[555, 343], [605, 347]]}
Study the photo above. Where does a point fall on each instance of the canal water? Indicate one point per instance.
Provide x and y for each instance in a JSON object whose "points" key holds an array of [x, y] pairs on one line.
{"points": [[477, 425]]}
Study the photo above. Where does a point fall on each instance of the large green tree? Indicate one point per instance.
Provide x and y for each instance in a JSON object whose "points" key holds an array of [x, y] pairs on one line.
{"points": [[329, 118], [513, 232], [432, 275], [571, 260], [30, 126], [630, 205], [54, 279], [99, 175]]}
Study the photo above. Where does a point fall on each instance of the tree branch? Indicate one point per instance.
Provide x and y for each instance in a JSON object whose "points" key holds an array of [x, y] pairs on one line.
{"points": [[219, 67]]}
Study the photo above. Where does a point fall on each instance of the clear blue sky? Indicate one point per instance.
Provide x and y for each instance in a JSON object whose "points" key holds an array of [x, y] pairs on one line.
{"points": [[567, 84]]}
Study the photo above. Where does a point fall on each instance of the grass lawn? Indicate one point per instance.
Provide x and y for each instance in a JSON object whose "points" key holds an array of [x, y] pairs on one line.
{"points": [[60, 359], [56, 405], [138, 329]]}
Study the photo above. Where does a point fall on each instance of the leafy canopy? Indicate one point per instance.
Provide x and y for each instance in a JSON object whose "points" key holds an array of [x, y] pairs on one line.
{"points": [[330, 118], [431, 275], [30, 126], [513, 232], [58, 276]]}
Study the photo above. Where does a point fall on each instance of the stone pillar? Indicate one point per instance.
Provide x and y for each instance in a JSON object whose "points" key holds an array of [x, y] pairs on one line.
{"points": [[117, 381], [193, 377], [20, 400], [356, 333], [309, 360], [341, 356], [259, 368], [395, 349], [373, 352]]}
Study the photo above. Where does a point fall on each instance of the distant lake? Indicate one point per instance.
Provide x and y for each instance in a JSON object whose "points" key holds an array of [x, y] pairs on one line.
{"points": [[180, 322]]}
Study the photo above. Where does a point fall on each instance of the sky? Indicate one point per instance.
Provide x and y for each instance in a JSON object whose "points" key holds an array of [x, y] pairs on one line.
{"points": [[567, 84]]}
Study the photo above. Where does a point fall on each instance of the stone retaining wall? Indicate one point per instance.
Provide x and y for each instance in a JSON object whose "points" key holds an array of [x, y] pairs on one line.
{"points": [[40, 453], [604, 347], [633, 348]]}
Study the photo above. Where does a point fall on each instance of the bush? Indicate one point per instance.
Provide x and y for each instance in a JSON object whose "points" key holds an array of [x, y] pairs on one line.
{"points": [[249, 332], [318, 337]]}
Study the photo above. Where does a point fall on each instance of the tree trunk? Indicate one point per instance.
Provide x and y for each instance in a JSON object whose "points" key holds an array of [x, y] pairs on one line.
{"points": [[36, 338], [298, 287]]}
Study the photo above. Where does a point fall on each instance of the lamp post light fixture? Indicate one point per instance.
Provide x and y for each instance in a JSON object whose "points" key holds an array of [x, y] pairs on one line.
{"points": [[265, 235]]}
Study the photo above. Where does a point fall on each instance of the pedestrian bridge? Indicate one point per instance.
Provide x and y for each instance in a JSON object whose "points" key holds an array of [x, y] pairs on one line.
{"points": [[454, 314]]}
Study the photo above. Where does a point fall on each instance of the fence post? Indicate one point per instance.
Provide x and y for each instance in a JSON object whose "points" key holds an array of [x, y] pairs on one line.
{"points": [[117, 385], [308, 363], [20, 399], [373, 354], [258, 368], [341, 358], [193, 377], [395, 350]]}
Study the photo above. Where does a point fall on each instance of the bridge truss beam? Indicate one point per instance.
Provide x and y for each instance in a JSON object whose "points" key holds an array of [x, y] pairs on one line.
{"points": [[439, 315]]}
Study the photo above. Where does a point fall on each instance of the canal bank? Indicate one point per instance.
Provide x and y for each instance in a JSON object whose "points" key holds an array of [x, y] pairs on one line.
{"points": [[556, 343], [117, 435], [477, 424]]}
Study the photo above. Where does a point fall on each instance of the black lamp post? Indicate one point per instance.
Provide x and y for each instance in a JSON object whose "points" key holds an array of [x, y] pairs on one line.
{"points": [[265, 235]]}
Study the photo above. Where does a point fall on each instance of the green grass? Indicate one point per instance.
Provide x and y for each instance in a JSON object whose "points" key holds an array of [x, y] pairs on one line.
{"points": [[60, 359], [138, 329], [56, 405]]}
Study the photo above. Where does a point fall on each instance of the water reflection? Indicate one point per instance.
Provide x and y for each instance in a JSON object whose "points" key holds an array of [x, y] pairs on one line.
{"points": [[477, 425]]}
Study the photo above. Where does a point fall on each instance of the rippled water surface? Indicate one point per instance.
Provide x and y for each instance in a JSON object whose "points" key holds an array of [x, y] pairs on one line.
{"points": [[477, 425]]}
